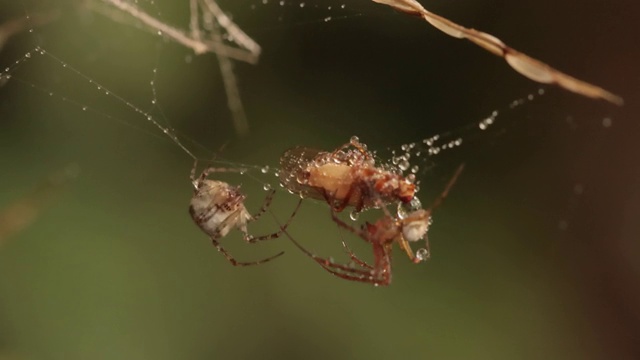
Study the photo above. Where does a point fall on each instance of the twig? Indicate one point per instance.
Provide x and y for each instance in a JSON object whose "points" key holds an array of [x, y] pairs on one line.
{"points": [[199, 46], [522, 63], [234, 101]]}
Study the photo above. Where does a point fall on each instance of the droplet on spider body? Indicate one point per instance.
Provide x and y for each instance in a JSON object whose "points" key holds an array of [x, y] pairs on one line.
{"points": [[347, 176]]}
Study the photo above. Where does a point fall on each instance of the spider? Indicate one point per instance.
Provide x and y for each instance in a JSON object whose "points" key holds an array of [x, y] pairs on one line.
{"points": [[217, 208], [343, 177], [381, 235]]}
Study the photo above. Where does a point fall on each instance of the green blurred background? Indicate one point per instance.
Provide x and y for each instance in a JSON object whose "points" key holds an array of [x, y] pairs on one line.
{"points": [[535, 254]]}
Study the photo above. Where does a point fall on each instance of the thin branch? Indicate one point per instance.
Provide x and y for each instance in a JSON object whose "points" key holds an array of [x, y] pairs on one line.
{"points": [[522, 63], [238, 36], [234, 101], [179, 36]]}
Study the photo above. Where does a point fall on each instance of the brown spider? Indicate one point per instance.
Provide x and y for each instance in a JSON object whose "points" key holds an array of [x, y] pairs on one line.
{"points": [[381, 235], [217, 207], [343, 177]]}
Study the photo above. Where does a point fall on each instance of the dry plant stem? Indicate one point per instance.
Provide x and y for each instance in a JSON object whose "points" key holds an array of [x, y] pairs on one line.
{"points": [[24, 211], [233, 95], [522, 63], [239, 37], [234, 102], [209, 40], [199, 46]]}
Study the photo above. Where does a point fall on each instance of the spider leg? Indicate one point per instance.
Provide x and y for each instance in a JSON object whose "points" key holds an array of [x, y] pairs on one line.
{"points": [[348, 227], [265, 206], [346, 272], [380, 275], [339, 270], [354, 257], [254, 239], [369, 280], [404, 245], [438, 201], [234, 262], [233, 219], [207, 171]]}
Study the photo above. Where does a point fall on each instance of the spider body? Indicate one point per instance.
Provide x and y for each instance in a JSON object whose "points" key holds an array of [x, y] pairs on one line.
{"points": [[344, 177], [217, 208], [382, 234]]}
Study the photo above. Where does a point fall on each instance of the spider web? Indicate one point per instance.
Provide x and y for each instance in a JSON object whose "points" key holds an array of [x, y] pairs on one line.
{"points": [[326, 71], [212, 27]]}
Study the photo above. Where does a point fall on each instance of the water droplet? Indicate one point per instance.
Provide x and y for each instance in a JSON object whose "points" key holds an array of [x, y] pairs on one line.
{"points": [[607, 122], [266, 186], [404, 165], [354, 139], [265, 169], [27, 55], [301, 5], [84, 108], [354, 215], [423, 254]]}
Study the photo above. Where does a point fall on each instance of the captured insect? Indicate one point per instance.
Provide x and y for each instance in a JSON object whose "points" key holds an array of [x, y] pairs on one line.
{"points": [[404, 230], [217, 208], [347, 176]]}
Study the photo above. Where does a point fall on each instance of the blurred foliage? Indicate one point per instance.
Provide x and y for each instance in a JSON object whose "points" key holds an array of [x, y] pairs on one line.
{"points": [[535, 253]]}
